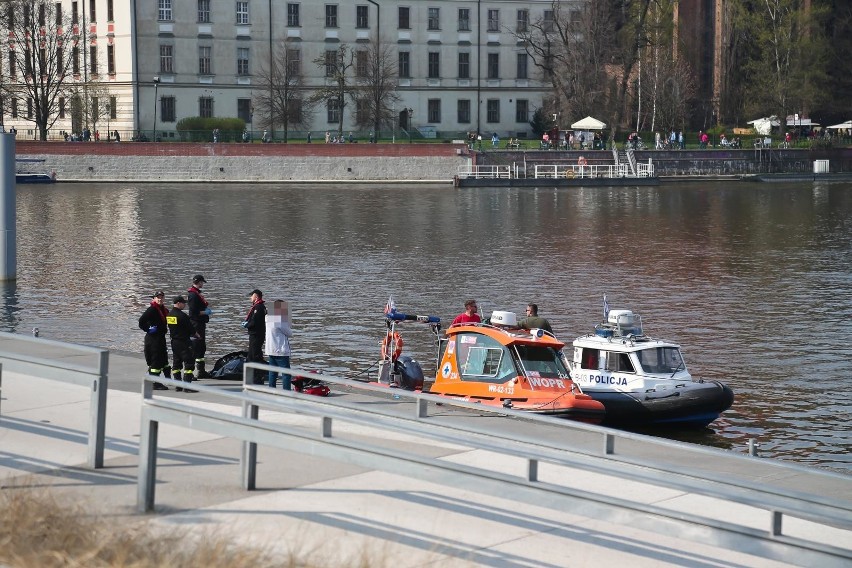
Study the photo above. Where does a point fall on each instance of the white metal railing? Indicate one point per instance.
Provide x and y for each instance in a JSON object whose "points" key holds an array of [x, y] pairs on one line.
{"points": [[771, 542], [56, 368], [645, 170], [485, 172], [557, 171]]}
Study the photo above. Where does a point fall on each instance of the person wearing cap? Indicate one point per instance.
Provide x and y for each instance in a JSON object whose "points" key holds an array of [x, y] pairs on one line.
{"points": [[534, 321], [153, 323], [255, 323], [199, 315], [182, 332]]}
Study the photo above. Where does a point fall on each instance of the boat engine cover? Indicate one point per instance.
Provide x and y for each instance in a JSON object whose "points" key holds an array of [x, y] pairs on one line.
{"points": [[409, 373]]}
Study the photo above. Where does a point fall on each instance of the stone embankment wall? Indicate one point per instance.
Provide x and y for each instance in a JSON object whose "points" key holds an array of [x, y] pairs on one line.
{"points": [[166, 162]]}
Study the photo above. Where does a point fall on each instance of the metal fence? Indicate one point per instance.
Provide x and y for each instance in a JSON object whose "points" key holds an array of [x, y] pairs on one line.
{"points": [[770, 541], [58, 368]]}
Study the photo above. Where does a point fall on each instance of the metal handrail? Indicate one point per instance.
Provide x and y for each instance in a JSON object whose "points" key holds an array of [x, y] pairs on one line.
{"points": [[251, 430], [94, 376]]}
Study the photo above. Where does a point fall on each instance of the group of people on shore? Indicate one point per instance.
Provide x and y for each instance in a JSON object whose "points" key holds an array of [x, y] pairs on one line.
{"points": [[188, 333]]}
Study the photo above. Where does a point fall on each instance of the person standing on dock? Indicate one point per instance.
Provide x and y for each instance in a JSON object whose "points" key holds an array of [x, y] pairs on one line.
{"points": [[534, 321], [469, 315], [153, 323], [182, 332], [277, 345], [199, 314], [255, 324]]}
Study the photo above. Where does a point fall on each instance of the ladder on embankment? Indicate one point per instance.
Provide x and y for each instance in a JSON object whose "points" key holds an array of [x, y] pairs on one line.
{"points": [[625, 156]]}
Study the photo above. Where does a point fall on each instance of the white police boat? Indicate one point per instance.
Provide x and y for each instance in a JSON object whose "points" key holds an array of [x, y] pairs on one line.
{"points": [[643, 381]]}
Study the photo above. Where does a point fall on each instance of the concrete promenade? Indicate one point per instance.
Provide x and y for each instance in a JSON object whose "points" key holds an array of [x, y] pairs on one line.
{"points": [[337, 514]]}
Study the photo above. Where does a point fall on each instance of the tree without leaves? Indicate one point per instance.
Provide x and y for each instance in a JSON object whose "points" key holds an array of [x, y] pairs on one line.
{"points": [[338, 65], [38, 70], [91, 99], [376, 77], [283, 101]]}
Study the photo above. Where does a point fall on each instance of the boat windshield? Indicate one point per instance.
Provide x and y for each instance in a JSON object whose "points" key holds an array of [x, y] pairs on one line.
{"points": [[663, 360], [544, 361]]}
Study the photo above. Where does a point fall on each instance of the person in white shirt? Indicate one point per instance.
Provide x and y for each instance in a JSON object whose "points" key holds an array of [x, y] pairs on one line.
{"points": [[277, 345]]}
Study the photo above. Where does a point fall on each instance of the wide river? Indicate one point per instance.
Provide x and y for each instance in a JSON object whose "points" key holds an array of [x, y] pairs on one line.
{"points": [[753, 280]]}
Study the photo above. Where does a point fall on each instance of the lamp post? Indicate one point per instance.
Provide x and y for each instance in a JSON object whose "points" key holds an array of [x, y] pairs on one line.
{"points": [[156, 85], [410, 112], [377, 101]]}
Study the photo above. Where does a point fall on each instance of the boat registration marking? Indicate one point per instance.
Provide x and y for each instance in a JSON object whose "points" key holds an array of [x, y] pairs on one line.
{"points": [[502, 389]]}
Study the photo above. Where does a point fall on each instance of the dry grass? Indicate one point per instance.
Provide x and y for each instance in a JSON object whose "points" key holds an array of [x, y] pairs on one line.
{"points": [[36, 529]]}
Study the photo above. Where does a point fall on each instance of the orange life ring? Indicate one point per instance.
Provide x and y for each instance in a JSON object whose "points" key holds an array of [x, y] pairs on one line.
{"points": [[396, 340], [581, 161]]}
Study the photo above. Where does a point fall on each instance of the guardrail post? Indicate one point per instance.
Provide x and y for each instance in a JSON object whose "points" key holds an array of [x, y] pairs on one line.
{"points": [[609, 444], [775, 529], [249, 455], [532, 470], [422, 407], [147, 464], [326, 426], [97, 429]]}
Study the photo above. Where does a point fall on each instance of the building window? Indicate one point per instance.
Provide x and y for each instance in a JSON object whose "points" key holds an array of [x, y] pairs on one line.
{"points": [[464, 111], [434, 110], [434, 65], [330, 16], [93, 59], [361, 67], [93, 13], [164, 12], [404, 23], [75, 62], [204, 11], [332, 111], [493, 65], [166, 59], [464, 65], [75, 17], [294, 111], [113, 108], [60, 60], [294, 62], [404, 64], [523, 21], [330, 62], [95, 106], [493, 20], [244, 110], [61, 107], [242, 61], [549, 23], [464, 19], [522, 110], [167, 109], [29, 107], [205, 107], [204, 60], [362, 111], [14, 108], [523, 66], [293, 15], [110, 11], [242, 12], [434, 20], [110, 59], [41, 15], [362, 18], [493, 111], [58, 12]]}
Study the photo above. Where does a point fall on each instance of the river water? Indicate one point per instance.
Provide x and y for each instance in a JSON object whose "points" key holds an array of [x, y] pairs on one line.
{"points": [[753, 280]]}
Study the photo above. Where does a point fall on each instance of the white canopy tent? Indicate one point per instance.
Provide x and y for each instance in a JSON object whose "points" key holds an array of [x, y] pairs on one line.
{"points": [[842, 125], [763, 126], [588, 123]]}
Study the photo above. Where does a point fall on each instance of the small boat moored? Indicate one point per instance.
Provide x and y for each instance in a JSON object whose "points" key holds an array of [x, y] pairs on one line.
{"points": [[641, 380]]}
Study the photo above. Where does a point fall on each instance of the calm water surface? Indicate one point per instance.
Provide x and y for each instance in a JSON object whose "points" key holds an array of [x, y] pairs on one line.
{"points": [[753, 280]]}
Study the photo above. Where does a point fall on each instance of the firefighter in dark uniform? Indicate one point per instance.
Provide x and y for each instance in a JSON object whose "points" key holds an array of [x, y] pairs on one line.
{"points": [[182, 332], [153, 323], [255, 323], [199, 315]]}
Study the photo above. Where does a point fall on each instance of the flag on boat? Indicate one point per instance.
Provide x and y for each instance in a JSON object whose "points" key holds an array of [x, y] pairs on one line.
{"points": [[606, 308], [390, 307]]}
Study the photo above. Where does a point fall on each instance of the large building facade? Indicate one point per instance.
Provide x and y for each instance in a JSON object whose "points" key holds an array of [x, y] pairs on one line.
{"points": [[458, 63]]}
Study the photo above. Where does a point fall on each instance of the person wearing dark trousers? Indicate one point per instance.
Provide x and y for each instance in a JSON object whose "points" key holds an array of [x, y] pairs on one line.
{"points": [[181, 331], [153, 323], [255, 323], [199, 315]]}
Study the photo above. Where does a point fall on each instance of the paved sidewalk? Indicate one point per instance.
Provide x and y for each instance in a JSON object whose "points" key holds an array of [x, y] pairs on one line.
{"points": [[333, 513]]}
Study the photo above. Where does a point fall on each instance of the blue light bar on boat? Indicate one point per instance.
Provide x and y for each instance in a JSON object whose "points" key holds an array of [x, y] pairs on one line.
{"points": [[399, 316]]}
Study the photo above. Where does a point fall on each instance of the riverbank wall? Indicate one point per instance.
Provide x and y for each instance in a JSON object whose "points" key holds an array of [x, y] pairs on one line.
{"points": [[207, 162]]}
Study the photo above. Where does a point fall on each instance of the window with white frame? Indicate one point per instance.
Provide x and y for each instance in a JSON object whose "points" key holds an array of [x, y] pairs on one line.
{"points": [[167, 58], [242, 61], [294, 62], [330, 62], [242, 12], [204, 11], [167, 109], [434, 19], [362, 17], [331, 15], [464, 65], [522, 110], [463, 111], [523, 66], [361, 63], [523, 25], [433, 107], [205, 107], [404, 66], [293, 15], [332, 111], [549, 22], [164, 10], [493, 65], [464, 19], [493, 110], [204, 67], [493, 20], [434, 65], [404, 18]]}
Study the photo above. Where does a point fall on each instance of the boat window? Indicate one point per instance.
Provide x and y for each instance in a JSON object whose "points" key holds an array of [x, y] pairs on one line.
{"points": [[660, 360], [619, 363], [589, 359], [482, 358], [542, 360]]}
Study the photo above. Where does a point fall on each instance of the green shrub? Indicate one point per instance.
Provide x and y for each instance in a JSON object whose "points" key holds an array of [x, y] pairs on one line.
{"points": [[198, 129]]}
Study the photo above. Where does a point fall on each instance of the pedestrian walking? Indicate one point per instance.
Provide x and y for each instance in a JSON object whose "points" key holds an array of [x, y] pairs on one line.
{"points": [[255, 323], [153, 323], [181, 332], [199, 315], [277, 349]]}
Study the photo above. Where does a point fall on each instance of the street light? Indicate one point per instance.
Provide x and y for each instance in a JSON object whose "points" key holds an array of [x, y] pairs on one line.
{"points": [[156, 85], [410, 112]]}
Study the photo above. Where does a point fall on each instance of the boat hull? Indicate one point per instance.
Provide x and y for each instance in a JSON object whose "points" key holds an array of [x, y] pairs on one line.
{"points": [[692, 407]]}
